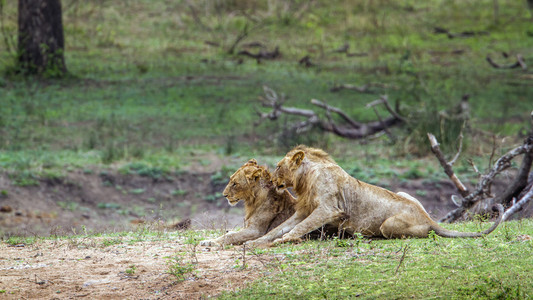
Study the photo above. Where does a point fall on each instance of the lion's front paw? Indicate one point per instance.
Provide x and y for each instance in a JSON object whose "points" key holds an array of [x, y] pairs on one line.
{"points": [[287, 239], [256, 243], [208, 243]]}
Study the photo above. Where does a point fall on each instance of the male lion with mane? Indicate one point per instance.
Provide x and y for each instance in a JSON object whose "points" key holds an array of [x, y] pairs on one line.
{"points": [[326, 194], [264, 206]]}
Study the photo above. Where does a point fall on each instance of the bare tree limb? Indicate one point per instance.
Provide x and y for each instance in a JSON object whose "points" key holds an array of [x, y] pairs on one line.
{"points": [[343, 115], [520, 63], [306, 61], [518, 205], [241, 36], [446, 166], [501, 164], [483, 186], [262, 54], [463, 34], [384, 100], [353, 130], [471, 162], [454, 159], [366, 88], [360, 89], [385, 129], [519, 183]]}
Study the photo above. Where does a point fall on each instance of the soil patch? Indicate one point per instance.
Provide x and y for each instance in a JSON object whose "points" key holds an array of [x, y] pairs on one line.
{"points": [[77, 268]]}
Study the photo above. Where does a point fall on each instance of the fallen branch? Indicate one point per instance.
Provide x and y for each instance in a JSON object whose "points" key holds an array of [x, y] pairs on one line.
{"points": [[353, 129], [366, 88], [240, 37], [306, 62], [384, 100], [262, 54], [520, 63], [463, 34], [344, 49], [323, 105]]}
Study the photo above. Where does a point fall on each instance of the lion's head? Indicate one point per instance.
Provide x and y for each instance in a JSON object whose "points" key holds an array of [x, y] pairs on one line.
{"points": [[243, 183], [285, 168], [283, 176]]}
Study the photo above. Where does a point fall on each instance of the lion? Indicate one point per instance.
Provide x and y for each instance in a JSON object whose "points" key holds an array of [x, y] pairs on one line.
{"points": [[326, 194], [265, 207]]}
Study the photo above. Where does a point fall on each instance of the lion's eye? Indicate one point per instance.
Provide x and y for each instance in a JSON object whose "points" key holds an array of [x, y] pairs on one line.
{"points": [[234, 184]]}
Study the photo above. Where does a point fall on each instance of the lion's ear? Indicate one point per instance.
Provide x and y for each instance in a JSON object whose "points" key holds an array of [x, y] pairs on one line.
{"points": [[255, 174], [298, 157], [252, 162]]}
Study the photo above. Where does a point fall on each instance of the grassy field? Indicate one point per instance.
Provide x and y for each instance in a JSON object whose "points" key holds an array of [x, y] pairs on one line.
{"points": [[144, 80], [491, 267]]}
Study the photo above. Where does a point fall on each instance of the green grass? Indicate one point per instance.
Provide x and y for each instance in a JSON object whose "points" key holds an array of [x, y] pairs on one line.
{"points": [[496, 266], [141, 85]]}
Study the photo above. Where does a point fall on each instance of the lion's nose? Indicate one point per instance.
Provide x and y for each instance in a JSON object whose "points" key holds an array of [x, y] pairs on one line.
{"points": [[225, 195]]}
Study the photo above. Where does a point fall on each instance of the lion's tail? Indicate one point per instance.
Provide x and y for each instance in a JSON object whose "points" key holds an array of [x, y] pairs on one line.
{"points": [[455, 234]]}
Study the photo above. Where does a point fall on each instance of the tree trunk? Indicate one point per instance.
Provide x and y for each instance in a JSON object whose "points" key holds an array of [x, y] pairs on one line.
{"points": [[40, 38]]}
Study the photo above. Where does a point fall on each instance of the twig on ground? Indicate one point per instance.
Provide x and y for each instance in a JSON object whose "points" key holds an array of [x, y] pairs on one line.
{"points": [[401, 258]]}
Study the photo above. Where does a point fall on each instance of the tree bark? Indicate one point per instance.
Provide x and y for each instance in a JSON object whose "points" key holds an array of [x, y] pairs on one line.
{"points": [[40, 38]]}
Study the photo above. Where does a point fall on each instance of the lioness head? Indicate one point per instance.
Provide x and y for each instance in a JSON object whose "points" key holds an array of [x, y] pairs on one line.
{"points": [[285, 168], [242, 183]]}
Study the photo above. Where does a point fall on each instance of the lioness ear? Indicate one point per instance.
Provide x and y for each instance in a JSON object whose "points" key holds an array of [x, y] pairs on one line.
{"points": [[252, 162], [298, 157], [255, 174]]}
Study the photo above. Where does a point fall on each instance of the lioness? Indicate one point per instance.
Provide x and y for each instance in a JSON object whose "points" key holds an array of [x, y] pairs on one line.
{"points": [[265, 207], [326, 194]]}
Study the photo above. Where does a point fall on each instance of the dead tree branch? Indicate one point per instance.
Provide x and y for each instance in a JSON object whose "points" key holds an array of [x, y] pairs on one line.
{"points": [[482, 194], [520, 63], [323, 105], [262, 54], [518, 205], [353, 129], [463, 34], [447, 166], [384, 100], [306, 62], [240, 37], [366, 88]]}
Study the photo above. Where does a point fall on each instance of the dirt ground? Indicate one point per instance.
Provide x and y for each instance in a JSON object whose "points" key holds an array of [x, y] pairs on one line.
{"points": [[81, 268], [96, 201]]}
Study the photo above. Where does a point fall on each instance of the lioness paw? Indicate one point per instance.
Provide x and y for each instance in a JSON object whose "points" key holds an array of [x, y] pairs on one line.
{"points": [[284, 240], [256, 243], [208, 243]]}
